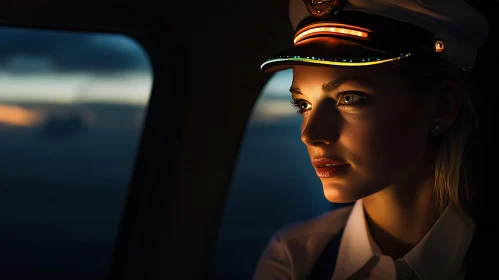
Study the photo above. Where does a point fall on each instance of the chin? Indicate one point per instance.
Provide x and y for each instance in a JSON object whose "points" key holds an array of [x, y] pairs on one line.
{"points": [[335, 194]]}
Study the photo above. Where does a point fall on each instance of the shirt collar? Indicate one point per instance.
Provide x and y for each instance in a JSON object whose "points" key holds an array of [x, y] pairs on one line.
{"points": [[439, 255], [356, 248]]}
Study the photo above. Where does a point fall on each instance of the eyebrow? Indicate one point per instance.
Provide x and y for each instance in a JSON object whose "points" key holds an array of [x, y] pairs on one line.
{"points": [[330, 86]]}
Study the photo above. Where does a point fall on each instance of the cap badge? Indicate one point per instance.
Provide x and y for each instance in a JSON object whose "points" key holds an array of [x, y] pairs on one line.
{"points": [[439, 46], [324, 8]]}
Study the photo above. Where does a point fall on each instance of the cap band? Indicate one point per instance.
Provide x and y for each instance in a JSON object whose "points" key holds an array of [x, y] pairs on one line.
{"points": [[331, 28], [383, 33]]}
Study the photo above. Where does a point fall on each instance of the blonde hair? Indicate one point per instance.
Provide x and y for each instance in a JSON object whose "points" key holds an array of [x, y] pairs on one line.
{"points": [[454, 182]]}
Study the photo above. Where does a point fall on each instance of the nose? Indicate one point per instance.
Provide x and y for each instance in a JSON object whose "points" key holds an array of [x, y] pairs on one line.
{"points": [[322, 126]]}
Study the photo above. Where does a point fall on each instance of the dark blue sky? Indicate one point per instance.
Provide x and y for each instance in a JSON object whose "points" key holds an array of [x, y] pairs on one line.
{"points": [[31, 50]]}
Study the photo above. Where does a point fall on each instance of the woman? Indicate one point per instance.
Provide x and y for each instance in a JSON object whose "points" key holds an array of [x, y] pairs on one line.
{"points": [[388, 122]]}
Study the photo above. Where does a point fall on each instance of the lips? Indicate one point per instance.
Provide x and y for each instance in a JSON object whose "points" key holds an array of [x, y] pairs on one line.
{"points": [[327, 168], [326, 162]]}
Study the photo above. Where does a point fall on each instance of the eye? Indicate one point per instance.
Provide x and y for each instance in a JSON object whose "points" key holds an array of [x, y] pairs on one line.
{"points": [[351, 98], [301, 105]]}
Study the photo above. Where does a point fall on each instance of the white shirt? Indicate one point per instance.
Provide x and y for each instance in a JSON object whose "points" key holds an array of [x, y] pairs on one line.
{"points": [[293, 251], [439, 255]]}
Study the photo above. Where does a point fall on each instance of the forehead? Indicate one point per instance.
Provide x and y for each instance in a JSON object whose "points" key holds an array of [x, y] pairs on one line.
{"points": [[375, 75]]}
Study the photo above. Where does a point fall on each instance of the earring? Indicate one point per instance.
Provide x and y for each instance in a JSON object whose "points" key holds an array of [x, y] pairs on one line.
{"points": [[436, 130]]}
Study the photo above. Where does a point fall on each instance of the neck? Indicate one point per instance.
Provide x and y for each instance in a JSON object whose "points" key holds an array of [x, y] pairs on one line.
{"points": [[400, 216]]}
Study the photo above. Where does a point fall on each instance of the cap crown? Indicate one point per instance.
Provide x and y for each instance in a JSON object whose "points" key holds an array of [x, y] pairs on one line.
{"points": [[462, 28]]}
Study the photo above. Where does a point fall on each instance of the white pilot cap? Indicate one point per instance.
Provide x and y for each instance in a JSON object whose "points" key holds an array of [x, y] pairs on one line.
{"points": [[452, 29]]}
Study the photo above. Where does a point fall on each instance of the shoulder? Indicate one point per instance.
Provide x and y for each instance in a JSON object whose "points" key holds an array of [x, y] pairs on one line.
{"points": [[293, 250]]}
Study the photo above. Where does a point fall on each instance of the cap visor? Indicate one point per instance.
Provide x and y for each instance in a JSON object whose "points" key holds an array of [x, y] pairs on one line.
{"points": [[331, 51]]}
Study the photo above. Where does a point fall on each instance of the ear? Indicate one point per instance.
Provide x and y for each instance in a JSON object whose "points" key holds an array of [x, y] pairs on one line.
{"points": [[447, 102]]}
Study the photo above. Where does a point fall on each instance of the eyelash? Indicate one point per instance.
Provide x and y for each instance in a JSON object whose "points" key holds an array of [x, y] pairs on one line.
{"points": [[300, 111]]}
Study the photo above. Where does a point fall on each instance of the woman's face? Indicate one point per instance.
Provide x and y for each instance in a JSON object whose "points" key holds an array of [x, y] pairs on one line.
{"points": [[364, 129]]}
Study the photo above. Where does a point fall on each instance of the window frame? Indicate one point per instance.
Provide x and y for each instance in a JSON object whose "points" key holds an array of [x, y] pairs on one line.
{"points": [[154, 166]]}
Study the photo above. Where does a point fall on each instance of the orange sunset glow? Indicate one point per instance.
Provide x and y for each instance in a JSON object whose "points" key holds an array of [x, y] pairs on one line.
{"points": [[18, 116]]}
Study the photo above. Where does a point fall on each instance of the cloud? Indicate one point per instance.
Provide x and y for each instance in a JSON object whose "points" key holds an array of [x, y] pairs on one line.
{"points": [[130, 88], [270, 111], [30, 50], [18, 116]]}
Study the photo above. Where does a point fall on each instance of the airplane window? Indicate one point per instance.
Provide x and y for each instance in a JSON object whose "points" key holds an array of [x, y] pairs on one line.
{"points": [[274, 183], [72, 105]]}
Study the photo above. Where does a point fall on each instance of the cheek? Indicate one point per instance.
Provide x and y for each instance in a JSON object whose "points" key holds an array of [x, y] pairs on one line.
{"points": [[385, 142]]}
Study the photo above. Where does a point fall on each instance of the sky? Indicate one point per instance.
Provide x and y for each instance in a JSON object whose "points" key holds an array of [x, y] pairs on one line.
{"points": [[274, 103], [66, 67]]}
